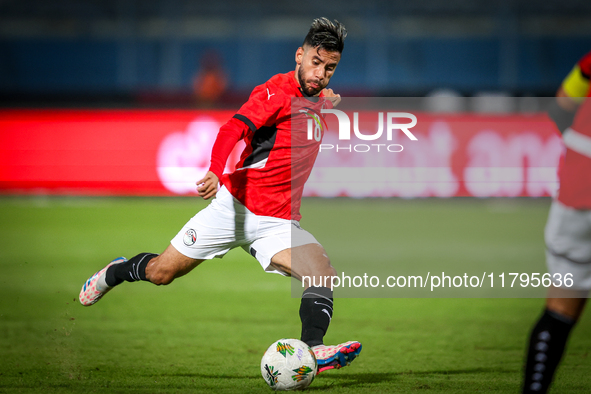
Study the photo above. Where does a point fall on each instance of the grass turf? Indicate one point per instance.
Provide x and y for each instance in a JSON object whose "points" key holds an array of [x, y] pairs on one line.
{"points": [[206, 332]]}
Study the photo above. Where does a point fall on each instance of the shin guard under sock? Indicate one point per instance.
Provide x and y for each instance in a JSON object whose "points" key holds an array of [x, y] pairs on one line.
{"points": [[131, 271], [315, 314]]}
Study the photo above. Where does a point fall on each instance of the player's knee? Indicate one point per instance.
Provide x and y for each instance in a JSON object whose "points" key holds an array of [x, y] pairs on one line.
{"points": [[323, 267], [324, 264], [331, 270]]}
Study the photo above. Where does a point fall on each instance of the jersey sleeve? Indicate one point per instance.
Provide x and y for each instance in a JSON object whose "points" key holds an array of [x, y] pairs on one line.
{"points": [[576, 84], [229, 134], [262, 108], [585, 66]]}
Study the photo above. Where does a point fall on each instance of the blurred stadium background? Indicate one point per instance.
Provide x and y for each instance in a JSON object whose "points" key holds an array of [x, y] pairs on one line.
{"points": [[137, 53], [203, 58]]}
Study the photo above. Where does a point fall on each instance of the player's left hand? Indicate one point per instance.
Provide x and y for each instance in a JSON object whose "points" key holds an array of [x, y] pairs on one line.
{"points": [[207, 187], [329, 94]]}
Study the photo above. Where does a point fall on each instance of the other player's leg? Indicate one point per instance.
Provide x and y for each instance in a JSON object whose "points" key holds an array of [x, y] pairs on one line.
{"points": [[567, 236], [316, 308], [158, 269], [194, 243], [549, 336]]}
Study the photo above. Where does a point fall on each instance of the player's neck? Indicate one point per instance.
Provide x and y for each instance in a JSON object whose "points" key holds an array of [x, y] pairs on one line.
{"points": [[295, 76]]}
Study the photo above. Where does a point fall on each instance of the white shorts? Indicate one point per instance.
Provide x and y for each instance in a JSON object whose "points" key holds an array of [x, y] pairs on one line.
{"points": [[226, 224], [568, 244]]}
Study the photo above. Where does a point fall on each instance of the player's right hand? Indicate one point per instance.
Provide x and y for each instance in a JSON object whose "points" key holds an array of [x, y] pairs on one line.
{"points": [[208, 186], [335, 98]]}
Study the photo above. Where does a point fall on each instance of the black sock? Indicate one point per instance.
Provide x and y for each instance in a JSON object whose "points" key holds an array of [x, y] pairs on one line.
{"points": [[131, 271], [546, 345], [315, 313]]}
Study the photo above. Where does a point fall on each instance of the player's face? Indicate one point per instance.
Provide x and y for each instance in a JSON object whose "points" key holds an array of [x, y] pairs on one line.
{"points": [[315, 68]]}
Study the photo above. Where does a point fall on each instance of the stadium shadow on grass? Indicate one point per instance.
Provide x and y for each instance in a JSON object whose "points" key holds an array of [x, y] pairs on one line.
{"points": [[363, 379], [343, 379], [207, 376]]}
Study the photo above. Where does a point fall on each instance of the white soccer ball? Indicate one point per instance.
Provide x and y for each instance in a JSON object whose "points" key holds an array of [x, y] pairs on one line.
{"points": [[289, 364]]}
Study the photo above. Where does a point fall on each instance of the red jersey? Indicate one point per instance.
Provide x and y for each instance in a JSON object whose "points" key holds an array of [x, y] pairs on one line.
{"points": [[585, 66], [575, 173], [278, 158]]}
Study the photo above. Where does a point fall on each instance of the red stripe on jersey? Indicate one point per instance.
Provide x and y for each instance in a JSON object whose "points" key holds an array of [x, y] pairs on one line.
{"points": [[585, 65]]}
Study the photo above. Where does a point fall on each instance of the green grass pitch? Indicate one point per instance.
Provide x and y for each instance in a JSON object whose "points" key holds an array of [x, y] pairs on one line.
{"points": [[207, 331]]}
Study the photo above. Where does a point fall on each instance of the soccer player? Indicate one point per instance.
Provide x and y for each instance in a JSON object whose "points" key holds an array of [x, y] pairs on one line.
{"points": [[568, 232], [257, 207]]}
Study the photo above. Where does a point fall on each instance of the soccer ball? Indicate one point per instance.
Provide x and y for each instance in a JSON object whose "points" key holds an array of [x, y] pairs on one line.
{"points": [[289, 364]]}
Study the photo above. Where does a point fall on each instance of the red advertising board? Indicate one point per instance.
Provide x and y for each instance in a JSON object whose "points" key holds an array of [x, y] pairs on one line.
{"points": [[106, 152], [164, 152], [453, 155]]}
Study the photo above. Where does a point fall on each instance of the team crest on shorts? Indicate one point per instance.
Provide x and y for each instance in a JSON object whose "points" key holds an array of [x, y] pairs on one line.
{"points": [[190, 237]]}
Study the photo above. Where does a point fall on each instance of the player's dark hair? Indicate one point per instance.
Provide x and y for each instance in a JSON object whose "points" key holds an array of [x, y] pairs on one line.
{"points": [[327, 35]]}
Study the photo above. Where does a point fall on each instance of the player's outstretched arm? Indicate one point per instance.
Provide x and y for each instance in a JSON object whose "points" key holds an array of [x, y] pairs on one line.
{"points": [[229, 134], [207, 187]]}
